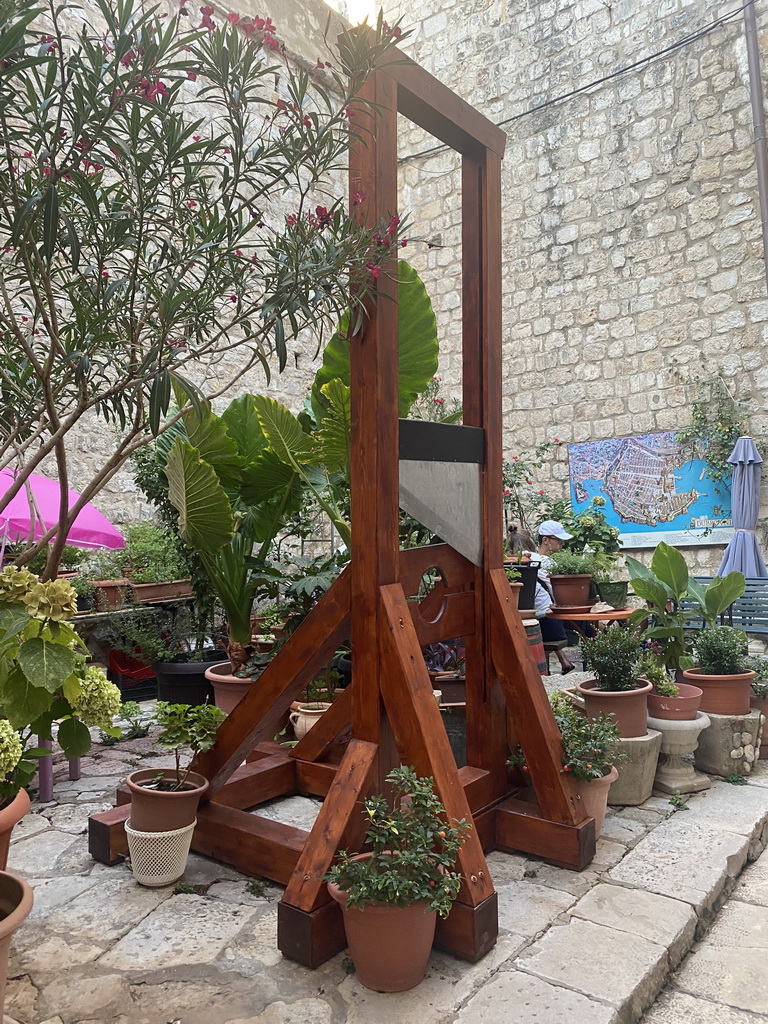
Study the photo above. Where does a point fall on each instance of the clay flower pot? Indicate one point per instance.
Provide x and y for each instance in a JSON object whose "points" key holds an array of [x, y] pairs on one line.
{"points": [[154, 810], [16, 900], [682, 708], [571, 591], [594, 796], [306, 715], [10, 816], [628, 708], [723, 695], [228, 690], [389, 945]]}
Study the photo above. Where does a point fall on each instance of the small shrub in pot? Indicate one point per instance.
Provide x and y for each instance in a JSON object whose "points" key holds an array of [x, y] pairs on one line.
{"points": [[613, 655], [722, 651]]}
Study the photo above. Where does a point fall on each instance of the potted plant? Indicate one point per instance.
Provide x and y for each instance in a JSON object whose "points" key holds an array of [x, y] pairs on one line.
{"points": [[154, 564], [664, 587], [85, 591], [392, 894], [44, 678], [723, 673], [164, 802], [570, 576], [105, 571], [613, 654], [674, 702]]}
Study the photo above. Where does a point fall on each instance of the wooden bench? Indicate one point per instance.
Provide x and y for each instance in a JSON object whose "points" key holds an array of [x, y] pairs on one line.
{"points": [[748, 612]]}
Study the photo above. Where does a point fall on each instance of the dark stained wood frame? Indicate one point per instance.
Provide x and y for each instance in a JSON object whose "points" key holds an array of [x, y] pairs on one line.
{"points": [[389, 715]]}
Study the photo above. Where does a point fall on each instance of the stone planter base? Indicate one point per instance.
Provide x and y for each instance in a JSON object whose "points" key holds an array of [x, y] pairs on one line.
{"points": [[673, 774], [731, 744], [636, 774]]}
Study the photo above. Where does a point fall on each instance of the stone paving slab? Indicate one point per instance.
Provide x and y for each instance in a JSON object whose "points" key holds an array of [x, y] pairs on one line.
{"points": [[679, 1008], [625, 971], [730, 966], [512, 996]]}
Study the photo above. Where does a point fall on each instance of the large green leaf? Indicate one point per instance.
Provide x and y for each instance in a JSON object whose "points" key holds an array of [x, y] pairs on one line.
{"points": [[652, 591], [13, 618], [45, 663], [21, 702], [669, 566], [74, 738], [284, 432], [205, 515], [334, 433], [636, 570], [417, 342], [721, 593], [243, 427], [207, 433], [265, 478]]}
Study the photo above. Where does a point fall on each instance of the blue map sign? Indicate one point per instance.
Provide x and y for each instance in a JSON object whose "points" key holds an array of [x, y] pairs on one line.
{"points": [[653, 491]]}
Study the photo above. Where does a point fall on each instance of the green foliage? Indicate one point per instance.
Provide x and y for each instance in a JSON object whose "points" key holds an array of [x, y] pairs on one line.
{"points": [[590, 529], [722, 651], [590, 745], [70, 560], [414, 849], [152, 554], [526, 502], [760, 683], [613, 655], [678, 801], [650, 666], [138, 241], [664, 586], [44, 676], [183, 726], [735, 780], [571, 563], [431, 405], [717, 421]]}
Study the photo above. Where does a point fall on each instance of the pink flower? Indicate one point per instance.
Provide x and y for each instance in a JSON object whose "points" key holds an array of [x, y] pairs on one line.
{"points": [[507, 491], [233, 19], [358, 198], [373, 269], [541, 493], [291, 220], [192, 76]]}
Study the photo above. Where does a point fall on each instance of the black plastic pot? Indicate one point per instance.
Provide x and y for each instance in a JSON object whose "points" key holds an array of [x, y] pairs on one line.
{"points": [[183, 682], [528, 572]]}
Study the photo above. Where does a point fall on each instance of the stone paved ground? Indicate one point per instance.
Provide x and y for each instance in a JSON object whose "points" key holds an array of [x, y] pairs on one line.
{"points": [[592, 948]]}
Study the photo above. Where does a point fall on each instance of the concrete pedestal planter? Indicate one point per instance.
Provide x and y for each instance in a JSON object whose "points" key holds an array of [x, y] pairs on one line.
{"points": [[731, 744], [675, 773], [638, 769]]}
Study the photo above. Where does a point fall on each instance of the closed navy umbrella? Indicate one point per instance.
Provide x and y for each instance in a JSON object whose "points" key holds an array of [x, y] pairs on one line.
{"points": [[743, 551]]}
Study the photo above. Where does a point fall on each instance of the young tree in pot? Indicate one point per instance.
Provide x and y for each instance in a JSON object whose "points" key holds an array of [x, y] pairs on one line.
{"points": [[613, 654], [391, 895], [723, 673]]}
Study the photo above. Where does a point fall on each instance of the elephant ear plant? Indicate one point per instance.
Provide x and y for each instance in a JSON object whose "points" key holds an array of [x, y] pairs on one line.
{"points": [[674, 598]]}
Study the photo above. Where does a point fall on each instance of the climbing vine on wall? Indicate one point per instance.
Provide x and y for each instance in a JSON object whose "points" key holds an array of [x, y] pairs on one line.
{"points": [[718, 419]]}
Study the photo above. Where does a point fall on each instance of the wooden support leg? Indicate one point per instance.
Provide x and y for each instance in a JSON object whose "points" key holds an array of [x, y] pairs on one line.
{"points": [[422, 741], [307, 929]]}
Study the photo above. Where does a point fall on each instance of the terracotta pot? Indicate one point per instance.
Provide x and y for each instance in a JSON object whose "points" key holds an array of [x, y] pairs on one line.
{"points": [[228, 690], [570, 591], [723, 695], [682, 708], [761, 704], [629, 708], [390, 946], [16, 900], [154, 810], [516, 587], [10, 816], [171, 590], [594, 797], [306, 715], [108, 595]]}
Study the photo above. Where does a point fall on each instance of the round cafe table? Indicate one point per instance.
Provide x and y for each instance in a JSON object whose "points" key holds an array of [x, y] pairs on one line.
{"points": [[575, 618]]}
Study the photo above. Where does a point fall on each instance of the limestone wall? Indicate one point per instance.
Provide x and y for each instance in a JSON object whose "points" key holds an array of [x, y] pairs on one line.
{"points": [[632, 243]]}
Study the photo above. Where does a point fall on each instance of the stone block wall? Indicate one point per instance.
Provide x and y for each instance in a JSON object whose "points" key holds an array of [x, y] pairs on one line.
{"points": [[632, 250]]}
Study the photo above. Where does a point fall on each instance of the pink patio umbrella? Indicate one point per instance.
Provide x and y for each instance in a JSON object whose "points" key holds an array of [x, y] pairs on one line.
{"points": [[90, 529]]}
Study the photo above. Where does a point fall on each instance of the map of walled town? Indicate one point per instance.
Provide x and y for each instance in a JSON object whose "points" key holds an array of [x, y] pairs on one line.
{"points": [[641, 476]]}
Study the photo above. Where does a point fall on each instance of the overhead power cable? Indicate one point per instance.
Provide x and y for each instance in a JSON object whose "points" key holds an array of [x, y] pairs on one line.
{"points": [[644, 61]]}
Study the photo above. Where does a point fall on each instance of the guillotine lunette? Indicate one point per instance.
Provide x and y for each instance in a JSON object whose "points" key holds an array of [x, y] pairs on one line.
{"points": [[388, 715]]}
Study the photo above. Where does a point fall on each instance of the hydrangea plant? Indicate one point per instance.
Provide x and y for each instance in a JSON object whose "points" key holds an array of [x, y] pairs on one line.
{"points": [[44, 677]]}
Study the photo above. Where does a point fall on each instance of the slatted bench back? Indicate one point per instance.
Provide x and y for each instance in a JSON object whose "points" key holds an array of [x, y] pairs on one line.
{"points": [[748, 612]]}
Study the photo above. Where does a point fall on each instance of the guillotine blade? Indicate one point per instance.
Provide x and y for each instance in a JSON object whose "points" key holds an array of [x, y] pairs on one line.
{"points": [[440, 481]]}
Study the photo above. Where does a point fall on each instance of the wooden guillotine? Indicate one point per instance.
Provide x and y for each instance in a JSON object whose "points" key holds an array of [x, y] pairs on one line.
{"points": [[389, 715]]}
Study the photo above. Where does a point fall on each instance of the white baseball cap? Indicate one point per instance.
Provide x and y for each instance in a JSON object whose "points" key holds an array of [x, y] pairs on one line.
{"points": [[549, 528]]}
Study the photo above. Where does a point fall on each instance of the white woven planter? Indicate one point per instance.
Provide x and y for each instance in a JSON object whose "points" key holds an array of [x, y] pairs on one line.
{"points": [[159, 858]]}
